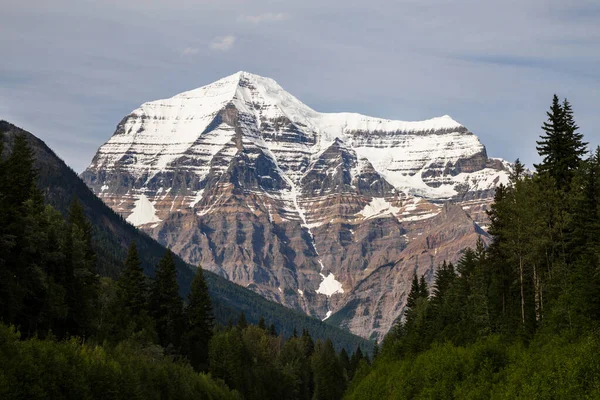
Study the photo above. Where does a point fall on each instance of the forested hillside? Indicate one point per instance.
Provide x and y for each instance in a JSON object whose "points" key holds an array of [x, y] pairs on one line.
{"points": [[66, 331], [519, 319]]}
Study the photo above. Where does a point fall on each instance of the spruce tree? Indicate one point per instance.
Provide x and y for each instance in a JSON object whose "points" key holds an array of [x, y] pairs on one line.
{"points": [[345, 361], [413, 295], [129, 309], [423, 290], [561, 146], [166, 307], [200, 321], [262, 324], [272, 330], [328, 373], [242, 323], [20, 172], [82, 282], [132, 286]]}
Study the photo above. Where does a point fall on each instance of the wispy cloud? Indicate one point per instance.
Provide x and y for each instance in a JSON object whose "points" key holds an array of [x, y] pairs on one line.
{"points": [[263, 18], [223, 43], [189, 51]]}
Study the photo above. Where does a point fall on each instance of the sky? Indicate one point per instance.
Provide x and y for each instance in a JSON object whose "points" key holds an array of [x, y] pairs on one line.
{"points": [[71, 70]]}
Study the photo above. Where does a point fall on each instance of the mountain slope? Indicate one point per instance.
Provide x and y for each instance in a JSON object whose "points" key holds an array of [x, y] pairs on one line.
{"points": [[297, 205], [112, 236]]}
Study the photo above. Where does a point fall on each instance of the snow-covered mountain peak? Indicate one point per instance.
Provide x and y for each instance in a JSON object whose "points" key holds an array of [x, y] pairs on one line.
{"points": [[243, 178], [428, 158]]}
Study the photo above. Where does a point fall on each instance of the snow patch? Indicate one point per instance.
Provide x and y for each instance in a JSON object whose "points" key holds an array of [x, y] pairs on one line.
{"points": [[143, 212], [327, 315], [329, 285], [197, 199], [420, 217], [378, 206]]}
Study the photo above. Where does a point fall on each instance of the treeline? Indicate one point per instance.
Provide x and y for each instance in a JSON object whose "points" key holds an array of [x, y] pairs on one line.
{"points": [[69, 333], [255, 361], [520, 318]]}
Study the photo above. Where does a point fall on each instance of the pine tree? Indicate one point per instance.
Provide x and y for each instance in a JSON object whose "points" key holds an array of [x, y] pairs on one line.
{"points": [[272, 330], [356, 358], [444, 277], [575, 144], [132, 287], [82, 281], [77, 218], [413, 295], [242, 322], [129, 309], [262, 324], [345, 361], [20, 172], [561, 147], [309, 344], [166, 307], [328, 373], [423, 290], [22, 287], [200, 321]]}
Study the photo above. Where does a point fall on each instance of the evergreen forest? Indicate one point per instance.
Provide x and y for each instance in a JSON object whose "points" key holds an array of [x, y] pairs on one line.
{"points": [[76, 325]]}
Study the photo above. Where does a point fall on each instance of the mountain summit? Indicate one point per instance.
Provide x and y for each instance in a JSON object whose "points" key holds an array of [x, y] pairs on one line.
{"points": [[329, 213]]}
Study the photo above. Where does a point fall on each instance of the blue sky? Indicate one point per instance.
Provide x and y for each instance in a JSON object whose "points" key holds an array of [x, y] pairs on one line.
{"points": [[71, 70]]}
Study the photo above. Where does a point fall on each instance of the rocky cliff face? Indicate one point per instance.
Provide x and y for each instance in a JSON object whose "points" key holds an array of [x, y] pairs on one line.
{"points": [[331, 214]]}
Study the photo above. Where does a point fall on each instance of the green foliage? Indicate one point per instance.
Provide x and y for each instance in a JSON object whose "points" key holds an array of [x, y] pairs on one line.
{"points": [[44, 369], [550, 368], [262, 366]]}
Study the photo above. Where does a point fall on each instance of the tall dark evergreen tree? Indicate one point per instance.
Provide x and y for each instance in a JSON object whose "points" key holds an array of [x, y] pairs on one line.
{"points": [[561, 146], [132, 285], [423, 289], [130, 308], [413, 295], [327, 372], [81, 281], [200, 322], [20, 174], [262, 324], [242, 322], [166, 307], [272, 330]]}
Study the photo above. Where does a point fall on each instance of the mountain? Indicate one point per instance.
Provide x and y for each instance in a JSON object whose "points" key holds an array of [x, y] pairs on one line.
{"points": [[330, 214], [112, 235]]}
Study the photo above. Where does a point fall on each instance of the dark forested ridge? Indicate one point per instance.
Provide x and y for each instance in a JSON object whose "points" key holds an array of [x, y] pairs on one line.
{"points": [[521, 318]]}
